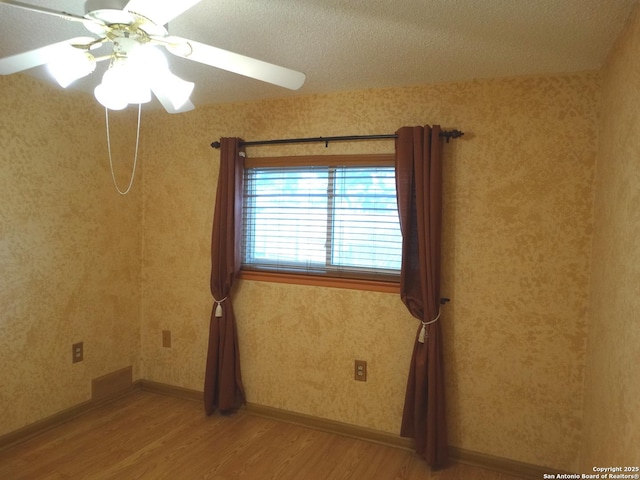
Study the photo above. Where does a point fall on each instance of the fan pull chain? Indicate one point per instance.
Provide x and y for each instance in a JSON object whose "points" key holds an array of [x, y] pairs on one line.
{"points": [[135, 158]]}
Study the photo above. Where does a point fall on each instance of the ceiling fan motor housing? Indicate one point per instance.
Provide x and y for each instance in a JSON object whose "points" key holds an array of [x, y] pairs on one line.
{"points": [[91, 5], [113, 20], [107, 11]]}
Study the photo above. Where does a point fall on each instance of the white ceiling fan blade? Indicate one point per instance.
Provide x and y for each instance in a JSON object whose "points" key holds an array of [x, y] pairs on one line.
{"points": [[39, 56], [234, 62], [160, 12], [164, 98], [48, 11]]}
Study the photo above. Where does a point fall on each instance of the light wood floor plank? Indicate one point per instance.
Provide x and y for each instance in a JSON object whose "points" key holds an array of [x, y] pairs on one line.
{"points": [[149, 436]]}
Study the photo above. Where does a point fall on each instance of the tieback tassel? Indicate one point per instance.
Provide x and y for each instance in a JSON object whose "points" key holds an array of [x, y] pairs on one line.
{"points": [[218, 310], [423, 331]]}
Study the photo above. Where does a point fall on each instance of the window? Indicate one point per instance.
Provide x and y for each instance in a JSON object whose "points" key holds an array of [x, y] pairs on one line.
{"points": [[330, 216]]}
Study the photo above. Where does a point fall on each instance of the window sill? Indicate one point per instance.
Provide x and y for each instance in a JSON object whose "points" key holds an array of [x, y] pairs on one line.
{"points": [[320, 281]]}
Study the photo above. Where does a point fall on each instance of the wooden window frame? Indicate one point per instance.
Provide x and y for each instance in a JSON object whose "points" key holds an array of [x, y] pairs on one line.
{"points": [[376, 285]]}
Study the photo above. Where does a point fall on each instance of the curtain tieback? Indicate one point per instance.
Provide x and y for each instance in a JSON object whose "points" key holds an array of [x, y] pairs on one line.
{"points": [[423, 333], [218, 310]]}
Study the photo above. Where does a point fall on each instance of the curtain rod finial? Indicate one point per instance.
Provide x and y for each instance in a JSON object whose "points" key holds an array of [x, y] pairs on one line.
{"points": [[449, 134], [215, 145]]}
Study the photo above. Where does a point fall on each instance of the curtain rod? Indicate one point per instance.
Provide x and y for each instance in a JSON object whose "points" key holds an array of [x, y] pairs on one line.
{"points": [[447, 134]]}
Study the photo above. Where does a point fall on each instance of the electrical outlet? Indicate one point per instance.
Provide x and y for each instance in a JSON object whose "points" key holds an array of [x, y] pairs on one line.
{"points": [[166, 338], [361, 370], [77, 352]]}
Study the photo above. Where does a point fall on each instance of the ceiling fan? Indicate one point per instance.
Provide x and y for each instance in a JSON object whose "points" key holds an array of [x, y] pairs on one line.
{"points": [[136, 29]]}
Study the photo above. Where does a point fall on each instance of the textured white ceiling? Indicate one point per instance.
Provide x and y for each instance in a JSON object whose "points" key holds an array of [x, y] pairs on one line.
{"points": [[346, 45]]}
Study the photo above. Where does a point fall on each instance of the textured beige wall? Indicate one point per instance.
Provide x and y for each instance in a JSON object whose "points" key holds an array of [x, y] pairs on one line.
{"points": [[612, 393], [517, 237], [518, 207], [69, 253]]}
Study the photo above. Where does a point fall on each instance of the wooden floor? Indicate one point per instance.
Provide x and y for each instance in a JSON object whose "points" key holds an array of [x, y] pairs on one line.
{"points": [[149, 436]]}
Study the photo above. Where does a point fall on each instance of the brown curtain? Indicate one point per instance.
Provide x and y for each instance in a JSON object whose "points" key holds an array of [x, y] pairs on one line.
{"points": [[419, 186], [223, 388]]}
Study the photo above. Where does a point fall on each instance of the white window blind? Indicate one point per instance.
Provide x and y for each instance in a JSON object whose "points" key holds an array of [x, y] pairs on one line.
{"points": [[333, 219]]}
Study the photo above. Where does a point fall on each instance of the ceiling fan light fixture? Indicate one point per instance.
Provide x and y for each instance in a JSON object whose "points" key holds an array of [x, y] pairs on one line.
{"points": [[179, 90], [71, 66], [109, 98], [122, 85], [149, 60], [138, 93], [152, 64]]}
